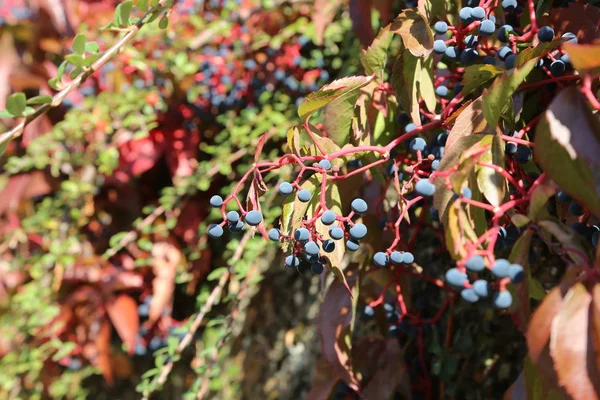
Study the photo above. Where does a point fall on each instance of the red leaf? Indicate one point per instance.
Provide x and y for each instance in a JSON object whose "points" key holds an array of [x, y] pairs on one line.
{"points": [[334, 328], [323, 13], [165, 259], [579, 18], [102, 347], [571, 347], [124, 315], [360, 13], [324, 380], [8, 62], [390, 373], [538, 332]]}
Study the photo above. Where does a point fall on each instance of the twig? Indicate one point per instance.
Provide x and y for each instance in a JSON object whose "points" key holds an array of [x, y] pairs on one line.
{"points": [[60, 96]]}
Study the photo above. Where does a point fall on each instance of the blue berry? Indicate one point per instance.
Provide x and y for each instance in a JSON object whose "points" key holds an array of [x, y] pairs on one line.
{"points": [[502, 299], [510, 148], [452, 53], [408, 258], [471, 40], [317, 268], [504, 52], [417, 144], [438, 152], [441, 27], [358, 231], [503, 33], [509, 61], [328, 246], [359, 206], [467, 193], [368, 311], [523, 154], [328, 217], [352, 245], [292, 261], [380, 259], [545, 34], [482, 288], [516, 273], [500, 268], [566, 59], [410, 127], [253, 218], [233, 217], [595, 238], [396, 258], [336, 233], [509, 4], [563, 197], [285, 188], [576, 210], [304, 196], [216, 201], [435, 165], [487, 27], [215, 231], [441, 91], [442, 138], [469, 295], [325, 164], [439, 46], [475, 264], [425, 188], [311, 248], [558, 67], [478, 13], [469, 56], [572, 38], [465, 15], [456, 278], [302, 234], [274, 234], [236, 227]]}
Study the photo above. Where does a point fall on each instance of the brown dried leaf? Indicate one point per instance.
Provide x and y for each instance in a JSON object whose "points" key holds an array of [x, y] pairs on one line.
{"points": [[469, 121], [102, 347], [123, 313], [571, 347], [165, 259]]}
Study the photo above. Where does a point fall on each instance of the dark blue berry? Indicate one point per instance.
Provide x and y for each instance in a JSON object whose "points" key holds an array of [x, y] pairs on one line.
{"points": [[408, 258], [358, 231], [410, 127], [545, 34], [500, 268], [233, 217], [359, 206], [253, 218], [380, 259], [302, 234], [304, 196], [352, 245], [439, 46], [475, 264], [456, 278], [487, 27], [468, 56], [563, 197], [452, 53], [523, 155], [509, 4], [516, 273], [504, 32], [435, 165], [396, 258], [236, 227], [504, 52], [425, 188], [215, 231], [336, 233], [368, 312], [311, 248], [328, 246], [572, 38], [325, 164], [317, 268], [328, 217], [292, 261], [558, 67], [502, 299], [469, 295], [510, 148], [576, 210], [482, 288], [509, 61], [471, 40], [478, 13], [441, 27], [465, 15], [441, 91], [285, 188], [467, 193], [417, 144], [274, 234], [216, 201]]}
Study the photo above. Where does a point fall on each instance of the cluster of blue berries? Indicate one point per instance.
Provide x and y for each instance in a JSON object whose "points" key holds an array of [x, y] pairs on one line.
{"points": [[590, 233], [481, 288], [235, 222]]}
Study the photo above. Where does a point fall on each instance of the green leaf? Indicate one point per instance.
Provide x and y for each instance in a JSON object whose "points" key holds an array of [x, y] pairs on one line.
{"points": [[496, 99], [53, 83], [415, 31], [491, 183], [567, 144], [122, 13], [6, 114], [374, 58], [92, 58], [78, 45], [43, 99], [571, 241], [426, 85], [142, 5], [163, 23], [540, 50], [539, 198], [338, 118], [16, 103], [3, 147], [216, 274], [65, 349], [328, 93], [476, 76], [92, 47], [75, 59], [61, 70], [404, 79]]}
